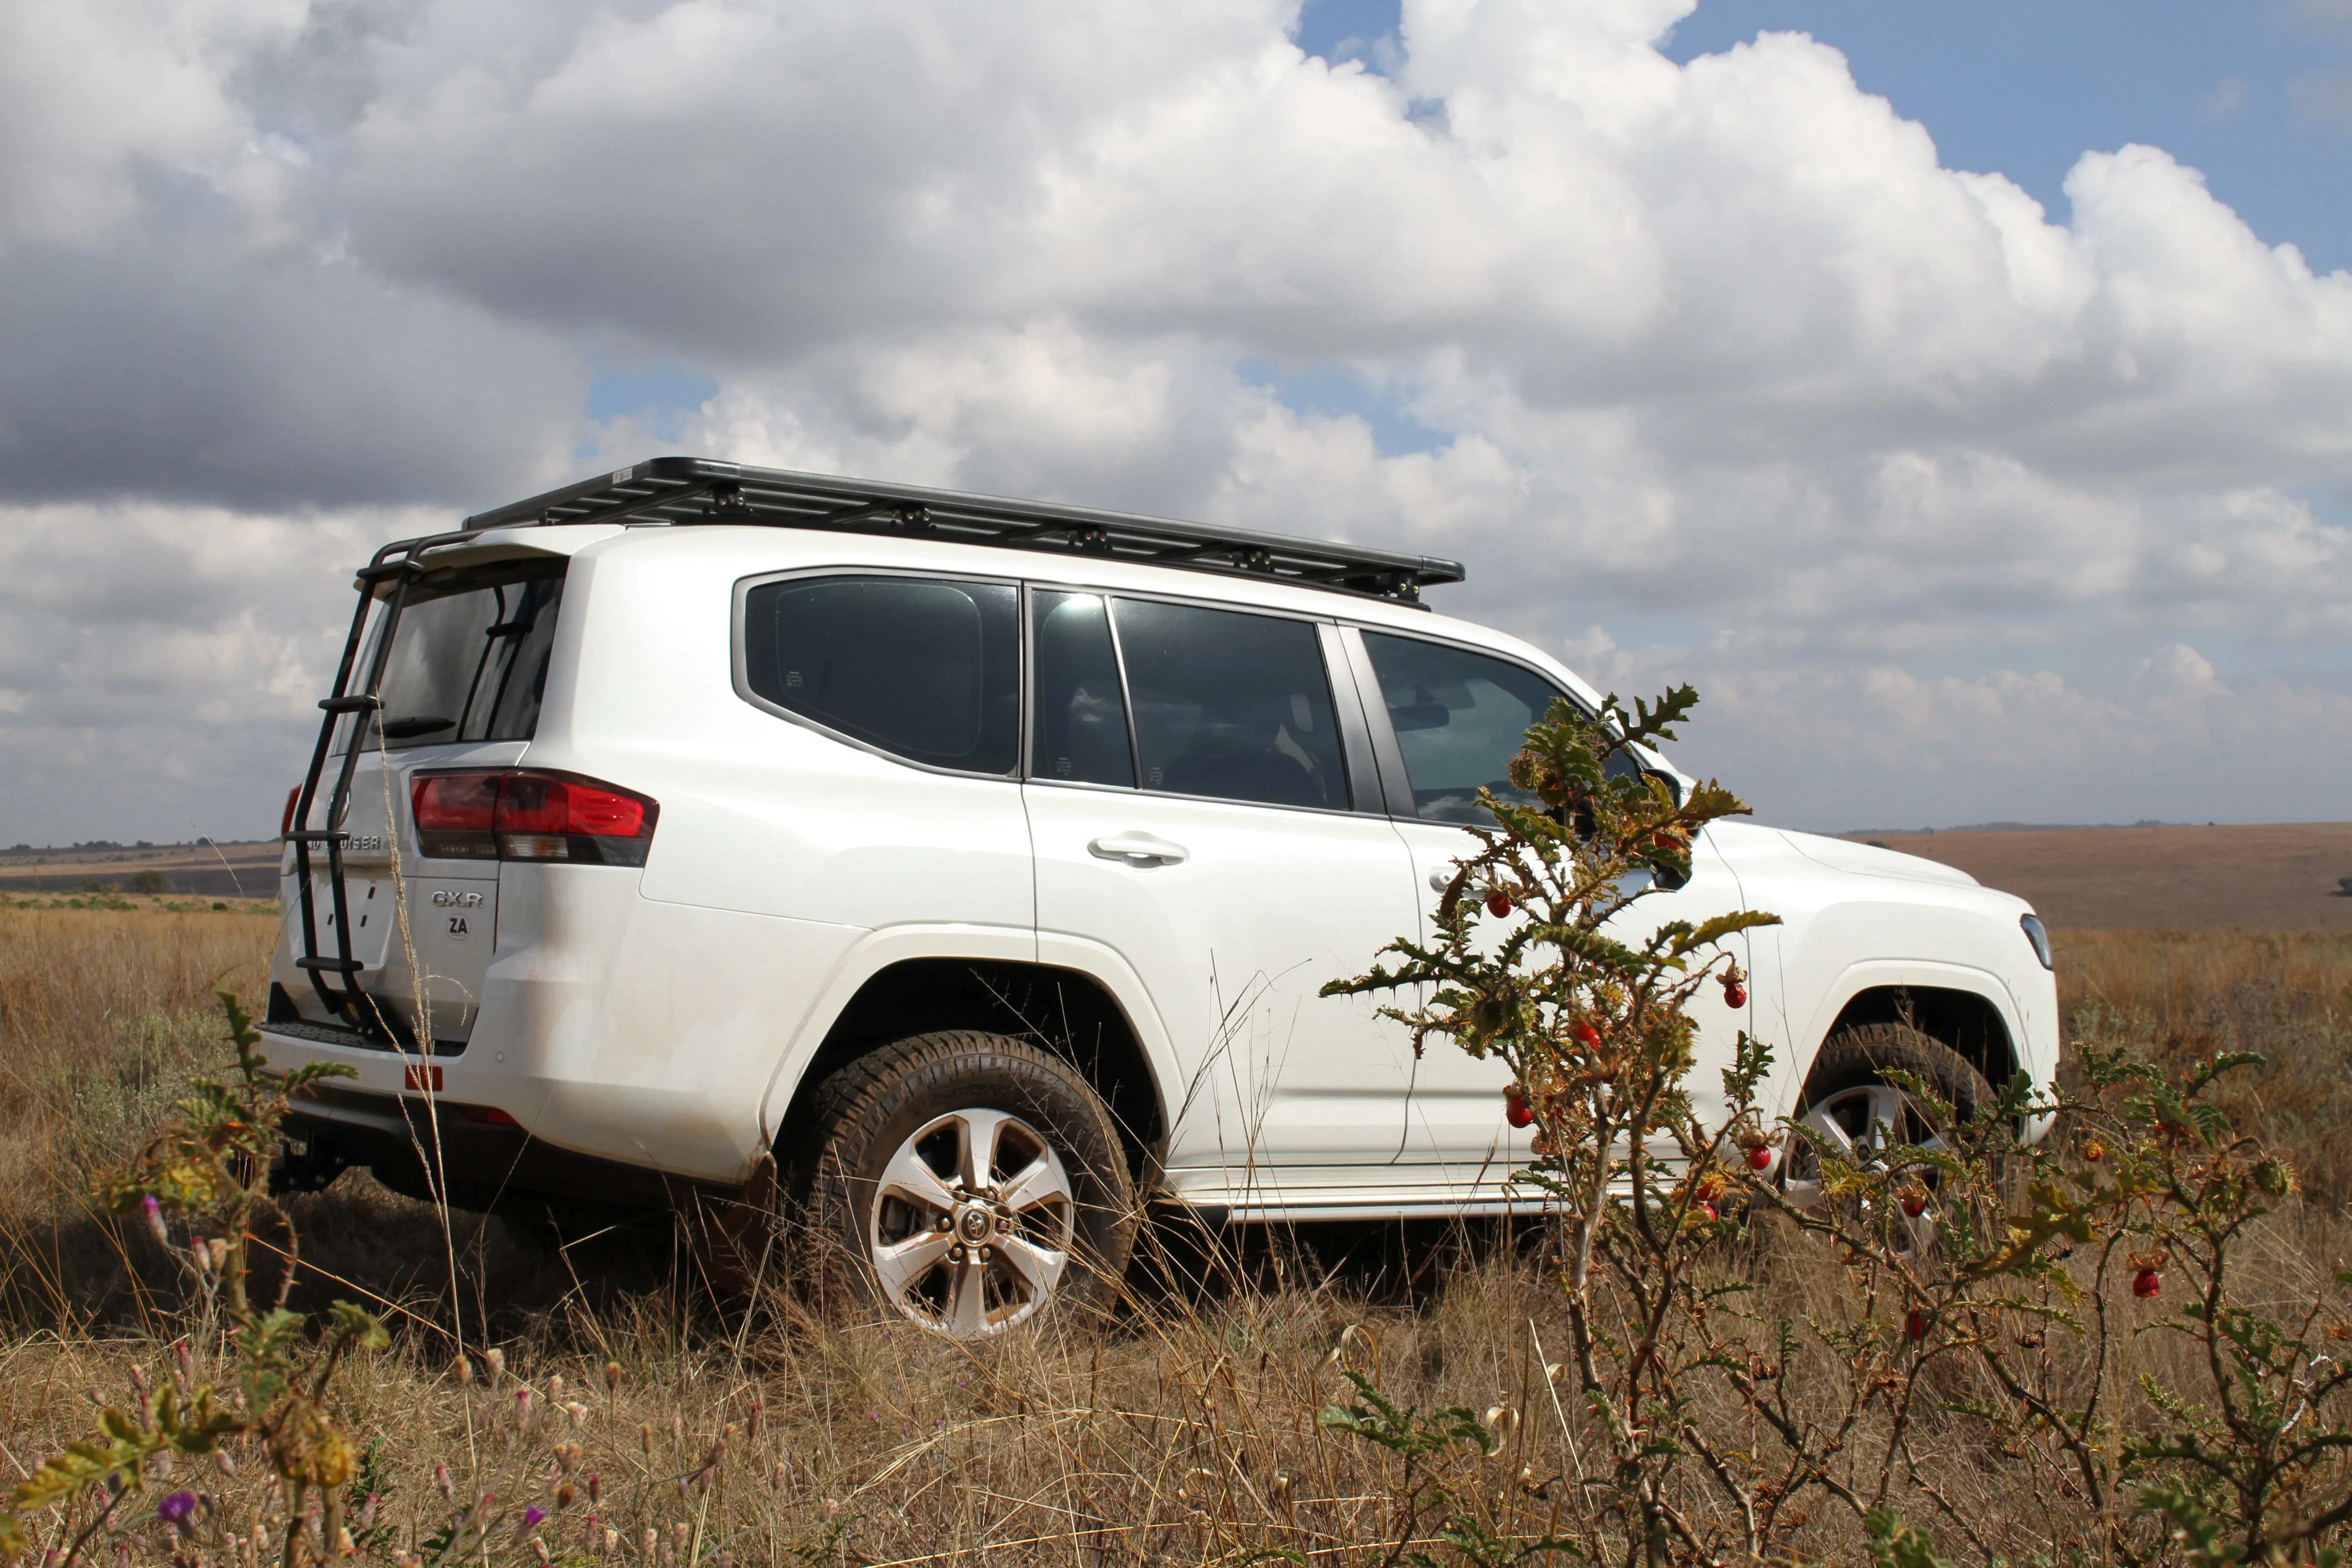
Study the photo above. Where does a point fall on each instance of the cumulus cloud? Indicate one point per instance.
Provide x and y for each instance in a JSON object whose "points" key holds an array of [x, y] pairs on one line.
{"points": [[1718, 359]]}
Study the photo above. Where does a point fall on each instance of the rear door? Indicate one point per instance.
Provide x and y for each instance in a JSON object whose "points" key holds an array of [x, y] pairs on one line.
{"points": [[462, 686], [1190, 800]]}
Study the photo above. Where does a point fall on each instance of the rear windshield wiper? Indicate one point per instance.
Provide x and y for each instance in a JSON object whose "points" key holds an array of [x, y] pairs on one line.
{"points": [[409, 729]]}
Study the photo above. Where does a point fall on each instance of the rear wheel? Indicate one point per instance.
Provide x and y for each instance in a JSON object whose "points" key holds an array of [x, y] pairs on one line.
{"points": [[1851, 1104], [969, 1182]]}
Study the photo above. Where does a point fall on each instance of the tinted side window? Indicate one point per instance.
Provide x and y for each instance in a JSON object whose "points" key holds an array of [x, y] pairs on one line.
{"points": [[1231, 705], [930, 670], [1459, 719], [469, 661], [1081, 716]]}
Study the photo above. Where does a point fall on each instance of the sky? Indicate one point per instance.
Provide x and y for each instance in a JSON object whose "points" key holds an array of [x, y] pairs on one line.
{"points": [[1960, 397]]}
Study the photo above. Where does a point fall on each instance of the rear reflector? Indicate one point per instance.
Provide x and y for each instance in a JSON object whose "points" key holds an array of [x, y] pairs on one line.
{"points": [[491, 1114], [422, 1077], [520, 815]]}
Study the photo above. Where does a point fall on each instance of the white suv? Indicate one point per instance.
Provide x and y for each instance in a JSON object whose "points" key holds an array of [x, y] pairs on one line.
{"points": [[959, 874]]}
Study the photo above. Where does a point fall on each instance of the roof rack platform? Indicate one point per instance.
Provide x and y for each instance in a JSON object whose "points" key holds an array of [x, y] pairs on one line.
{"points": [[701, 491]]}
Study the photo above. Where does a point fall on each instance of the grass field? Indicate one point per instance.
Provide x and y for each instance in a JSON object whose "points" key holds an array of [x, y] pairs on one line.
{"points": [[1183, 1430]]}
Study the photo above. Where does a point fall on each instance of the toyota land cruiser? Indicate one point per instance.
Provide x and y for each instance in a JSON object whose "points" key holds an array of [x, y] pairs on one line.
{"points": [[959, 874]]}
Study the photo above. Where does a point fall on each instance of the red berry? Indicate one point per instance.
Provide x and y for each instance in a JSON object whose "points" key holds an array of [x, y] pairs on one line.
{"points": [[2095, 1151], [2147, 1282], [1705, 1212], [1915, 1326], [1759, 1158], [1586, 1035], [1915, 1204], [1734, 994], [1497, 905], [1515, 1112]]}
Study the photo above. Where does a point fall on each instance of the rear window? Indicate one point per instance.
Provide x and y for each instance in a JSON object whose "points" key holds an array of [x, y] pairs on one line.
{"points": [[470, 659], [928, 670]]}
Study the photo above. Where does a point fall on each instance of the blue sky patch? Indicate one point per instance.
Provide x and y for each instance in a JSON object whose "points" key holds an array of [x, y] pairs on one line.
{"points": [[1335, 391]]}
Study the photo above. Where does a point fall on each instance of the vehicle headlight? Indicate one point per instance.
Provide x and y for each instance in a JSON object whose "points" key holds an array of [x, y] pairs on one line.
{"points": [[2039, 935]]}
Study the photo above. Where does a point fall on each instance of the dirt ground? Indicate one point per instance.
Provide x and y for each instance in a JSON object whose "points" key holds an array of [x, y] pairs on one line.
{"points": [[2282, 877]]}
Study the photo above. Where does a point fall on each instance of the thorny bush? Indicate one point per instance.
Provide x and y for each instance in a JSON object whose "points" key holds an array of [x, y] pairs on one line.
{"points": [[2002, 1299], [209, 1174]]}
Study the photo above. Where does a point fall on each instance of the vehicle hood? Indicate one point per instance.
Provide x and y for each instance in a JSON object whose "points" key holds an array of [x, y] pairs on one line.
{"points": [[1869, 860]]}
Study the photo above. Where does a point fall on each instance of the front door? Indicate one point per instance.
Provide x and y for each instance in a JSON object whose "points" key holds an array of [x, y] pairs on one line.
{"points": [[1191, 811], [1457, 718]]}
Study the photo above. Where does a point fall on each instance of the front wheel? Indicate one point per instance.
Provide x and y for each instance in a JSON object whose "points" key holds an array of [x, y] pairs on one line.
{"points": [[970, 1183], [1851, 1106]]}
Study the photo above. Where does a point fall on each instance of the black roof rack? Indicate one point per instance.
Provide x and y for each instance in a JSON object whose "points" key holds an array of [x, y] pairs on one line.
{"points": [[701, 490]]}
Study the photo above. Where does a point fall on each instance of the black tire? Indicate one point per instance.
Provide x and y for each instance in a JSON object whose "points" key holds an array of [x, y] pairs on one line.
{"points": [[1862, 1056], [930, 1094]]}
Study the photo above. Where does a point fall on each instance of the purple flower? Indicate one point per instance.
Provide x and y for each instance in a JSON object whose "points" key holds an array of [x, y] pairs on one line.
{"points": [[531, 1516], [177, 1508], [153, 1209]]}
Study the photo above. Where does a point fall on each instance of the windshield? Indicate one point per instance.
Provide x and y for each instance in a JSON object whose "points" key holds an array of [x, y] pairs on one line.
{"points": [[470, 660]]}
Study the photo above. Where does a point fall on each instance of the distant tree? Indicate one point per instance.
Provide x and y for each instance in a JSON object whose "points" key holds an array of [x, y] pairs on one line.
{"points": [[146, 882]]}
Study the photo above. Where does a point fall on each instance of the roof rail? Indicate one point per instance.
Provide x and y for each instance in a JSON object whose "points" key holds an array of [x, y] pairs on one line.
{"points": [[701, 490]]}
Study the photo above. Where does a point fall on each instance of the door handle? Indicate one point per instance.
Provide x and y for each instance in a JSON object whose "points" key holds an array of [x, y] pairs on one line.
{"points": [[1139, 849]]}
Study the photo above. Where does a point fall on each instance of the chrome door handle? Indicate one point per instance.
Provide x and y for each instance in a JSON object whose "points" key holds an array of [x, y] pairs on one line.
{"points": [[1139, 849]]}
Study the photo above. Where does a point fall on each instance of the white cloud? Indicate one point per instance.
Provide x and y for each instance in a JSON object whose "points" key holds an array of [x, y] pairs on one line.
{"points": [[1731, 377]]}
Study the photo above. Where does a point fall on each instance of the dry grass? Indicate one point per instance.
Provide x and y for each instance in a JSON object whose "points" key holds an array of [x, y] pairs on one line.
{"points": [[1181, 1430]]}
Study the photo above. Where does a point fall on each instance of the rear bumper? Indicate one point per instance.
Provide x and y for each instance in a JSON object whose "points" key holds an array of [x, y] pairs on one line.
{"points": [[418, 1145]]}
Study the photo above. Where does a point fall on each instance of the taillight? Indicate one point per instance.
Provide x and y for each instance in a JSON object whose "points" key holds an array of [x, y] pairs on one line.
{"points": [[285, 823], [521, 816]]}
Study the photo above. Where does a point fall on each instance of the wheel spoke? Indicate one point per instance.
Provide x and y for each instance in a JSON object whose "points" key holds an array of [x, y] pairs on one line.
{"points": [[1043, 1181], [966, 1313], [977, 1135], [1820, 1121], [907, 1178], [1888, 1106], [1039, 1268], [903, 1266]]}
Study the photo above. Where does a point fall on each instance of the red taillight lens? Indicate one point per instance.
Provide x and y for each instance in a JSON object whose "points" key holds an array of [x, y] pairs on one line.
{"points": [[456, 803], [285, 823], [524, 815]]}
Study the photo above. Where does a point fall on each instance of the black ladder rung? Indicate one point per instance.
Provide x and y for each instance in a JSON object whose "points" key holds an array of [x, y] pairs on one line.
{"points": [[332, 966], [358, 703]]}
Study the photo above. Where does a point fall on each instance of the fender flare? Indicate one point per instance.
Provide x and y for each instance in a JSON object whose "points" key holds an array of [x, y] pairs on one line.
{"points": [[880, 949]]}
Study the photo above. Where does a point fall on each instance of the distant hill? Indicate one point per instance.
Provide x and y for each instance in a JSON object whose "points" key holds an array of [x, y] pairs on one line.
{"points": [[2158, 877], [2015, 827]]}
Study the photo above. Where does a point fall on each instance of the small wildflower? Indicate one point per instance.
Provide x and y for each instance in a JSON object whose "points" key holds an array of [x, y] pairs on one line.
{"points": [[532, 1515], [555, 1388], [176, 1509], [595, 1488], [367, 1510], [612, 1374], [441, 1478], [494, 1361], [463, 1371], [539, 1550], [153, 1210], [523, 1405]]}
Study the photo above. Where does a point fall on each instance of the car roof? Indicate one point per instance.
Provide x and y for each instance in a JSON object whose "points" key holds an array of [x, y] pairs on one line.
{"points": [[701, 491]]}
